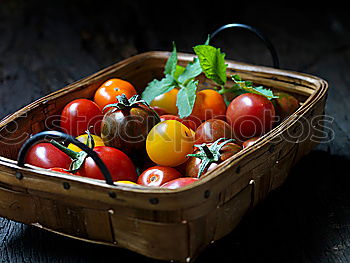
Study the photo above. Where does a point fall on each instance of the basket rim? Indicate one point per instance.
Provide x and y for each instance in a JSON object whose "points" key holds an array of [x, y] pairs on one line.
{"points": [[319, 85]]}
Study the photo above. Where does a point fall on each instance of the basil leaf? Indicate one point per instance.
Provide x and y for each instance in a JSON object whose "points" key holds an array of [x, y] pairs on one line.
{"points": [[186, 98], [158, 87], [192, 70], [212, 62], [170, 65]]}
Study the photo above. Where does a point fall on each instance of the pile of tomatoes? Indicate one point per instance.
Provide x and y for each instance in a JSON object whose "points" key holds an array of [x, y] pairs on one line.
{"points": [[151, 145]]}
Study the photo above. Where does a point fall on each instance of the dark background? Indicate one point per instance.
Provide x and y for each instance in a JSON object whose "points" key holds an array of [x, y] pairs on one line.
{"points": [[47, 45]]}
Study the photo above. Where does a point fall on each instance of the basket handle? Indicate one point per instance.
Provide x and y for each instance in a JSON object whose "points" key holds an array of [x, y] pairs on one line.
{"points": [[258, 33], [60, 135]]}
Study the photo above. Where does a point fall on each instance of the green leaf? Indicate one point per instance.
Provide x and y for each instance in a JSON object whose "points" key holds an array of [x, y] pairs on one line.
{"points": [[212, 62], [170, 65], [240, 87], [186, 98], [208, 40], [158, 87], [178, 71], [192, 70]]}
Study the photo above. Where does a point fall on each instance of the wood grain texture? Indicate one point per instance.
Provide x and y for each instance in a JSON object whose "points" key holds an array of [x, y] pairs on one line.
{"points": [[44, 47]]}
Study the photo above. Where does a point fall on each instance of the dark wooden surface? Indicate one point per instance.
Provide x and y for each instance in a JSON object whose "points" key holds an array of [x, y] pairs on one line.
{"points": [[47, 45]]}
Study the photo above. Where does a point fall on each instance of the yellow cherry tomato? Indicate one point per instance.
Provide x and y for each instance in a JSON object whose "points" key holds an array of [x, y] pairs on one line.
{"points": [[83, 138], [169, 142], [166, 101]]}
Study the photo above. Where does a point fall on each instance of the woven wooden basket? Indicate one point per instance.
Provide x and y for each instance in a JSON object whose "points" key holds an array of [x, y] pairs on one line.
{"points": [[149, 221]]}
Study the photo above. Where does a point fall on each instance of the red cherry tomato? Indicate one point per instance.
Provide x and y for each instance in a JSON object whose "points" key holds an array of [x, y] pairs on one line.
{"points": [[108, 91], [159, 110], [250, 115], [158, 175], [61, 170], [47, 156], [213, 129], [250, 142], [179, 182], [79, 115], [209, 104], [118, 163]]}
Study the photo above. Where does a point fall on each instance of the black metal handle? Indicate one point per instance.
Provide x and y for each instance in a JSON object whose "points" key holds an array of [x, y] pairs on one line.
{"points": [[60, 135], [258, 33]]}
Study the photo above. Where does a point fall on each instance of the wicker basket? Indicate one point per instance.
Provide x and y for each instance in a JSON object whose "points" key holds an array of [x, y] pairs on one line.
{"points": [[149, 221]]}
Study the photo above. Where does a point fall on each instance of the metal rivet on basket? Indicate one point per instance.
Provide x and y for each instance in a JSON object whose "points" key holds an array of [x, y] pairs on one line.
{"points": [[154, 200], [112, 194], [206, 194], [111, 211], [19, 175], [66, 185]]}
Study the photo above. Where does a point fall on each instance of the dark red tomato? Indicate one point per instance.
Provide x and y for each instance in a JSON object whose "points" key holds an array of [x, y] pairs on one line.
{"points": [[194, 163], [158, 175], [213, 129], [47, 156], [187, 122], [179, 182], [250, 142], [118, 163], [61, 170], [250, 115], [159, 110], [285, 105], [79, 115]]}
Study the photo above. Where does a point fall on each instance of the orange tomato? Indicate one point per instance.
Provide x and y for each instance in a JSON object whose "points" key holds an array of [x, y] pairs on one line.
{"points": [[209, 104], [109, 90], [166, 101]]}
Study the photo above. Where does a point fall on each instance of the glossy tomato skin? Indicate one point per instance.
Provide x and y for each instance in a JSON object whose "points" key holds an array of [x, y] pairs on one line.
{"points": [[250, 115], [159, 110], [209, 104], [169, 142], [80, 115], [193, 164], [285, 105], [61, 170], [186, 122], [127, 129], [47, 156], [250, 142], [179, 182], [83, 138], [212, 130], [110, 89], [158, 175], [167, 101], [118, 163]]}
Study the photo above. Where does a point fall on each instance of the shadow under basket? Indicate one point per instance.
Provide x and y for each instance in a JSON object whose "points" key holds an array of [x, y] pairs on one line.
{"points": [[146, 220]]}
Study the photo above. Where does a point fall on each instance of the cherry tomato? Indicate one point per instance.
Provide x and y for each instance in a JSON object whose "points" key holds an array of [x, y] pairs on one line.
{"points": [[159, 111], [167, 101], [213, 129], [186, 122], [285, 105], [179, 182], [83, 138], [118, 163], [158, 175], [46, 155], [250, 142], [194, 163], [61, 170], [250, 115], [109, 90], [79, 115], [209, 104], [127, 129], [169, 142]]}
